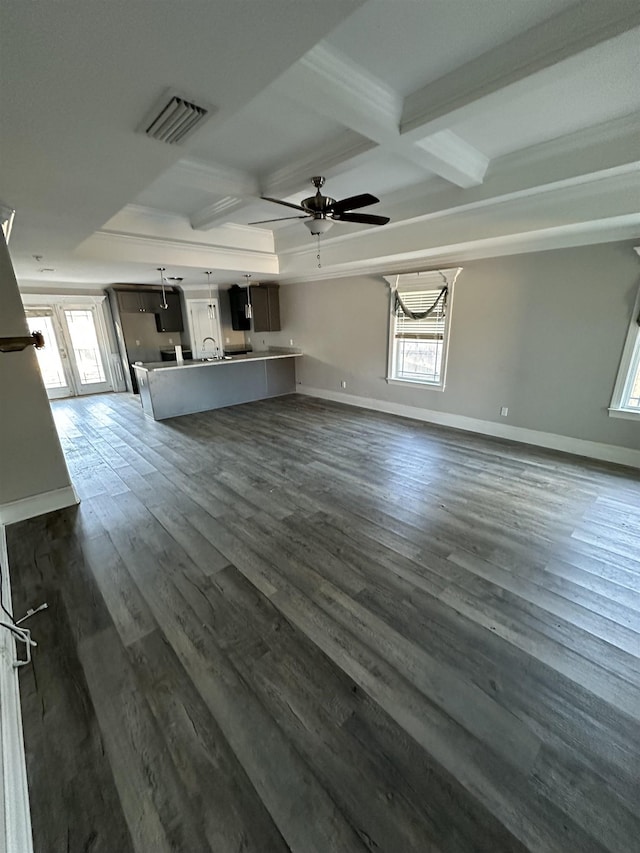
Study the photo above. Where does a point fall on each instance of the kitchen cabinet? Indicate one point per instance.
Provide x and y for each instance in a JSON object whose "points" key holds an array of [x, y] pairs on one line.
{"points": [[142, 326], [256, 308], [265, 307], [169, 319], [239, 307], [138, 301]]}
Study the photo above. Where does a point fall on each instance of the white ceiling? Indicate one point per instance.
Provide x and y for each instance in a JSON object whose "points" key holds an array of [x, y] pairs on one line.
{"points": [[462, 116]]}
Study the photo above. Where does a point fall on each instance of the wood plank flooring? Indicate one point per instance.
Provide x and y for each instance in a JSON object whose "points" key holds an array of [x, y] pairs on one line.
{"points": [[295, 625]]}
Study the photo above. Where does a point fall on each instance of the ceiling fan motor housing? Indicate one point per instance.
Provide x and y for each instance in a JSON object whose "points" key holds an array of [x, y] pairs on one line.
{"points": [[317, 204]]}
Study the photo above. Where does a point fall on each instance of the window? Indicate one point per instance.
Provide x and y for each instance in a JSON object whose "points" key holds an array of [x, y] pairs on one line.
{"points": [[626, 394], [419, 329]]}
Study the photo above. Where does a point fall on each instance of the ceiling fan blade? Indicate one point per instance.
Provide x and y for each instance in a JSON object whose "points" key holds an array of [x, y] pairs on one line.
{"points": [[286, 203], [364, 218], [279, 219], [352, 203]]}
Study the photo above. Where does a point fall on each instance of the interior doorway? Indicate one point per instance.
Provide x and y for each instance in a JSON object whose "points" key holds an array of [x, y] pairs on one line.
{"points": [[75, 358], [204, 322]]}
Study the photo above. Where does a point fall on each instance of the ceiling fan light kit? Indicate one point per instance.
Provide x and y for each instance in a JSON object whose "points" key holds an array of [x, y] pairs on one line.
{"points": [[318, 226]]}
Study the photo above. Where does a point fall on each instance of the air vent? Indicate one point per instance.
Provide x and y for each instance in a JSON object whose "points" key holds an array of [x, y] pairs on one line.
{"points": [[174, 118]]}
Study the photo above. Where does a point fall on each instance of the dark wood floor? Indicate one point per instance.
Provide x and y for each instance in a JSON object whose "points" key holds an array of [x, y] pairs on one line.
{"points": [[294, 625]]}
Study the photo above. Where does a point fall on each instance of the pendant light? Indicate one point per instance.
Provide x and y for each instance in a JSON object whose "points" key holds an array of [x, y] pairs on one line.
{"points": [[162, 271], [208, 274], [248, 308]]}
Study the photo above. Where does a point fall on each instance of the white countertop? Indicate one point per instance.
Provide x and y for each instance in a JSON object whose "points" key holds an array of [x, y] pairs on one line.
{"points": [[154, 366]]}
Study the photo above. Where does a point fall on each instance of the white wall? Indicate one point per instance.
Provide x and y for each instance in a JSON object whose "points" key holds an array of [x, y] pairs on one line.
{"points": [[33, 472], [540, 333]]}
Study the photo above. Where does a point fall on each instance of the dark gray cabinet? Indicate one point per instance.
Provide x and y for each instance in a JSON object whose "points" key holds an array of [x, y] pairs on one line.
{"points": [[265, 307], [170, 319], [239, 308], [140, 339], [138, 301], [256, 308]]}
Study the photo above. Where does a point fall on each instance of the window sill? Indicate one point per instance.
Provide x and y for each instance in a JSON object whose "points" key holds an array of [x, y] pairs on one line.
{"points": [[429, 386], [629, 414]]}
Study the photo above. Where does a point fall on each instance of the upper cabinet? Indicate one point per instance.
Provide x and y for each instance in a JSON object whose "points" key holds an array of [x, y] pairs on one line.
{"points": [[256, 308], [265, 307], [135, 301], [170, 319], [149, 301], [239, 307]]}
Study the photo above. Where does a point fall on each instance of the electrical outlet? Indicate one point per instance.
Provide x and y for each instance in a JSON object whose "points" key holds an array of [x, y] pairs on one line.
{"points": [[226, 340], [504, 411], [291, 342], [170, 340], [343, 384], [137, 343]]}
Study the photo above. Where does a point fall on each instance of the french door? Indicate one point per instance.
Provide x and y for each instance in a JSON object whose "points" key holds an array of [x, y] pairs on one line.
{"points": [[74, 358]]}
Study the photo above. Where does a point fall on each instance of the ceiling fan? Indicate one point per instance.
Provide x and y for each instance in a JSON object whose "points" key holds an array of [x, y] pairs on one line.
{"points": [[320, 211]]}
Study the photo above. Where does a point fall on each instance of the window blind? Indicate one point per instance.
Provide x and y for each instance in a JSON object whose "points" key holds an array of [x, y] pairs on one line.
{"points": [[429, 328]]}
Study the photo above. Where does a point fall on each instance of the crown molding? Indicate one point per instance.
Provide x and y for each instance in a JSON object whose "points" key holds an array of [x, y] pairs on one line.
{"points": [[613, 229], [574, 191], [135, 248], [566, 34]]}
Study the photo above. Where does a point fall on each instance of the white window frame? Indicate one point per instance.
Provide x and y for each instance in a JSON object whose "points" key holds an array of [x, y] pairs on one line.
{"points": [[627, 370], [424, 280]]}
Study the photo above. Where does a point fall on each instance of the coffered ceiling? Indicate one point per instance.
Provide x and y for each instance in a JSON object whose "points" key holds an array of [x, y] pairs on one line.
{"points": [[484, 127]]}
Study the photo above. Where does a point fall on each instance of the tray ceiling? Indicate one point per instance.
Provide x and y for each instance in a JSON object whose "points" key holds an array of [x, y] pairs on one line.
{"points": [[451, 113]]}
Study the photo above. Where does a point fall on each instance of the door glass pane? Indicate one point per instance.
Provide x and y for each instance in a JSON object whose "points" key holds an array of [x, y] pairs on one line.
{"points": [[48, 357], [84, 342]]}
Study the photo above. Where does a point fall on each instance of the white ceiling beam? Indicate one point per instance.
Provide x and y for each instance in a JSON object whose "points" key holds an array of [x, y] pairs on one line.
{"points": [[564, 35], [449, 156], [328, 82], [215, 213], [339, 89]]}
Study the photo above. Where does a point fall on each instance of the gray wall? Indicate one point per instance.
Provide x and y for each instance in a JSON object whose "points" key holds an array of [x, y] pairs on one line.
{"points": [[540, 333], [31, 460]]}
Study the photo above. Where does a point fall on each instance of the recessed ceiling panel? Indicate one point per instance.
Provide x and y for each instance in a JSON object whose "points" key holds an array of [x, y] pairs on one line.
{"points": [[596, 86], [410, 44], [265, 134], [166, 194]]}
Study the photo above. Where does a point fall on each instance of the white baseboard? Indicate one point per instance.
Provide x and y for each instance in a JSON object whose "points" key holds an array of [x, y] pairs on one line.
{"points": [[549, 440], [15, 817], [37, 505]]}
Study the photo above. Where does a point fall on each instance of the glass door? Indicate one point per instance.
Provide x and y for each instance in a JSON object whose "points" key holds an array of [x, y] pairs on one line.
{"points": [[73, 359], [52, 358], [85, 354]]}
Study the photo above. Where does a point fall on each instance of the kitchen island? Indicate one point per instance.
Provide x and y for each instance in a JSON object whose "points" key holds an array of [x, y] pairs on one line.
{"points": [[168, 390]]}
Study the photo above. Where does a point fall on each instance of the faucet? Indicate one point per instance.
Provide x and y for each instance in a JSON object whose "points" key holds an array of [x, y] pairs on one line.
{"points": [[216, 352]]}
